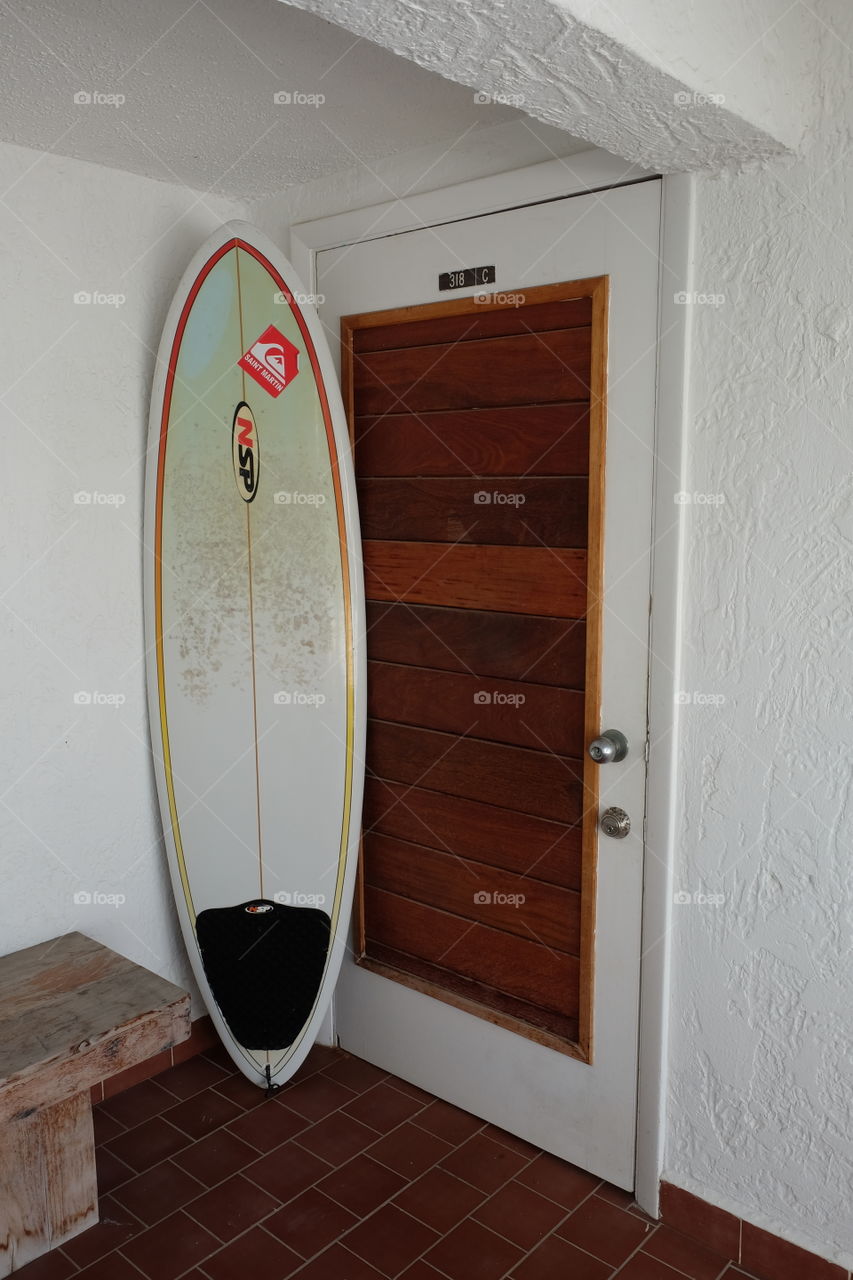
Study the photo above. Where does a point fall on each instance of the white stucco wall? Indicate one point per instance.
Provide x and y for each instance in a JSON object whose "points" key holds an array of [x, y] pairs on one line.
{"points": [[761, 1055], [633, 77], [77, 802]]}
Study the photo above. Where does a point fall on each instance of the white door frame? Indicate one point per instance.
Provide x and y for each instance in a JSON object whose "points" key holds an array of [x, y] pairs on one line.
{"points": [[587, 173]]}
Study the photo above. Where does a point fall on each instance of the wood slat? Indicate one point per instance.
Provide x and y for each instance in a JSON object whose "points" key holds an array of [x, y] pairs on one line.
{"points": [[508, 579], [521, 511], [513, 711], [521, 905], [508, 646], [510, 777], [553, 1029], [544, 439], [500, 838], [481, 322], [526, 970], [497, 371]]}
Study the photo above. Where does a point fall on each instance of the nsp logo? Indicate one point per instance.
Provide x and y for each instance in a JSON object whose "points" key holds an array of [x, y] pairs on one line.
{"points": [[244, 451]]}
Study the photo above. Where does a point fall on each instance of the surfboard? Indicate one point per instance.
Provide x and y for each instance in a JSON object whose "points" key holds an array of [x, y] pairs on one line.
{"points": [[254, 612]]}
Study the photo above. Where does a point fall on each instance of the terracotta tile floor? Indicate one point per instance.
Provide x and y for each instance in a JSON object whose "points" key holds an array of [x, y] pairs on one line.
{"points": [[347, 1174]]}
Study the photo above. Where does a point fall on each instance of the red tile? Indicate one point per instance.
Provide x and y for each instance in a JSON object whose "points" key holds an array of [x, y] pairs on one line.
{"points": [[412, 1090], [238, 1089], [316, 1097], [232, 1207], [337, 1138], [202, 1113], [322, 1056], [105, 1127], [285, 1172], [615, 1195], [310, 1222], [96, 1093], [111, 1171], [510, 1140], [716, 1229], [520, 1214], [354, 1073], [268, 1126], [644, 1267], [191, 1077], [257, 1255], [216, 1157], [337, 1263], [409, 1151], [112, 1267], [558, 1181], [772, 1258], [115, 1227], [604, 1230], [147, 1144], [439, 1199], [421, 1270], [383, 1108], [684, 1254], [390, 1240], [448, 1122], [158, 1192], [220, 1057], [202, 1037], [471, 1252], [135, 1075], [50, 1266], [557, 1258], [484, 1163], [137, 1104], [170, 1248], [361, 1185]]}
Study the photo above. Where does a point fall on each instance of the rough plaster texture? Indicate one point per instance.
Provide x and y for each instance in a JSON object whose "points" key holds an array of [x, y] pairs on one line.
{"points": [[627, 92], [198, 82], [761, 1064], [77, 804], [755, 54]]}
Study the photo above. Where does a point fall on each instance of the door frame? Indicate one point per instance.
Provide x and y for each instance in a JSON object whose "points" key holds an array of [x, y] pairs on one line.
{"points": [[584, 174]]}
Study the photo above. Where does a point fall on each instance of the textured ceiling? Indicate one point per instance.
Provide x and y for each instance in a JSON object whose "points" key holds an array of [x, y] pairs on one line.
{"points": [[185, 92]]}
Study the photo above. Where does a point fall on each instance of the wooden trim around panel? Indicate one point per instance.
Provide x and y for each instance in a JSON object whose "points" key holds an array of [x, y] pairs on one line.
{"points": [[597, 289]]}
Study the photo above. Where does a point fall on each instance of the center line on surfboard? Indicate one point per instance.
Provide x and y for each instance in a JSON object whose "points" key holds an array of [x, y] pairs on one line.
{"points": [[251, 608]]}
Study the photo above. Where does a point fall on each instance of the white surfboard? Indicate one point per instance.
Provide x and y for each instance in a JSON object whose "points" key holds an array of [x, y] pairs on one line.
{"points": [[254, 609]]}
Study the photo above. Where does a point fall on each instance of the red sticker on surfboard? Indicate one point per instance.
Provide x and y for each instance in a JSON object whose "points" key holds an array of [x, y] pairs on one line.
{"points": [[272, 360]]}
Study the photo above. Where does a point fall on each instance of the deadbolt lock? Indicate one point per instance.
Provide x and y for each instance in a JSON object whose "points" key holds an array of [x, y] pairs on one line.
{"points": [[615, 823]]}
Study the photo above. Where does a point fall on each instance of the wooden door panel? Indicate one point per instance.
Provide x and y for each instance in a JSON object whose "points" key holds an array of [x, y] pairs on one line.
{"points": [[540, 580], [508, 646], [540, 439], [478, 441], [525, 969], [509, 777], [498, 371], [544, 511], [499, 838], [563, 314], [516, 904], [513, 711]]}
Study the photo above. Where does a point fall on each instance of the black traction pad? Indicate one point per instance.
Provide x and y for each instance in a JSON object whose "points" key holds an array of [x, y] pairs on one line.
{"points": [[264, 962]]}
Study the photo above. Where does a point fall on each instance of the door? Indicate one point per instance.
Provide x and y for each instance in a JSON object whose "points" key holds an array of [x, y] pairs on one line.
{"points": [[504, 442]]}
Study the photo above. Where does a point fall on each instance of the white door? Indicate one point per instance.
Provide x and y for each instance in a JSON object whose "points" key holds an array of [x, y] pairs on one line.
{"points": [[584, 1112]]}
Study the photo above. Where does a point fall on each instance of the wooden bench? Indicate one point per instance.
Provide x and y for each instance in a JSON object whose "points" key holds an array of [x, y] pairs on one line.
{"points": [[72, 1012]]}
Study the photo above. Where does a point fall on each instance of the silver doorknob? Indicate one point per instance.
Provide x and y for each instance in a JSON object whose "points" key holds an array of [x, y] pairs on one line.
{"points": [[609, 748], [616, 823]]}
